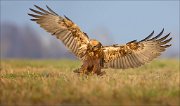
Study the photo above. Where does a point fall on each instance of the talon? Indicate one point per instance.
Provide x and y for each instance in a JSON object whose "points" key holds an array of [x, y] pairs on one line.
{"points": [[101, 73], [77, 70]]}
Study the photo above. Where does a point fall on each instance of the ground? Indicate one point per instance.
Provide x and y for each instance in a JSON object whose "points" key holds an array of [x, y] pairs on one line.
{"points": [[52, 82]]}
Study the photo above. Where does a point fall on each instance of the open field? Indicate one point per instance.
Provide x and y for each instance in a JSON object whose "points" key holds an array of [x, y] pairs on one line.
{"points": [[52, 82]]}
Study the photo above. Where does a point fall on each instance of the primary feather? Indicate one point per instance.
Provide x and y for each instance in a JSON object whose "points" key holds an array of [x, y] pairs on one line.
{"points": [[63, 28], [135, 54]]}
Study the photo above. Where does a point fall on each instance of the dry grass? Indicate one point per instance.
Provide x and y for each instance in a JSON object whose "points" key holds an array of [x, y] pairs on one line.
{"points": [[52, 82]]}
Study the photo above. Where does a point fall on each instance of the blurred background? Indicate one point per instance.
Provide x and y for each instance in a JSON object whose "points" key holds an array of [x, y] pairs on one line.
{"points": [[107, 21]]}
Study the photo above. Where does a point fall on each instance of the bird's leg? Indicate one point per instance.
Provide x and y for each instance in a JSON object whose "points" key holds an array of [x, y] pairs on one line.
{"points": [[83, 68], [76, 70], [96, 67], [89, 69], [97, 70]]}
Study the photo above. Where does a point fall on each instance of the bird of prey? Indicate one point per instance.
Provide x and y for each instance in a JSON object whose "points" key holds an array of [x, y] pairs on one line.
{"points": [[91, 52]]}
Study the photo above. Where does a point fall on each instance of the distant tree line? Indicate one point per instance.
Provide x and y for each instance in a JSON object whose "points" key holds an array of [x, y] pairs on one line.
{"points": [[25, 42]]}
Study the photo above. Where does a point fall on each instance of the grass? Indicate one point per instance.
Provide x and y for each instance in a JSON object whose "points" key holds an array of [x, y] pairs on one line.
{"points": [[52, 82]]}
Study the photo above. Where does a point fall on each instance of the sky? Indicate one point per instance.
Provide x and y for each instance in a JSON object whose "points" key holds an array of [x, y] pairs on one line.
{"points": [[122, 21]]}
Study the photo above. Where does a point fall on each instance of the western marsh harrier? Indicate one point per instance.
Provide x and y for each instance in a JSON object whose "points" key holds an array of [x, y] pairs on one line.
{"points": [[93, 54]]}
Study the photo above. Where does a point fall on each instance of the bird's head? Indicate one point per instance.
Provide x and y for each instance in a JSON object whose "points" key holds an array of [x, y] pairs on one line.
{"points": [[94, 45]]}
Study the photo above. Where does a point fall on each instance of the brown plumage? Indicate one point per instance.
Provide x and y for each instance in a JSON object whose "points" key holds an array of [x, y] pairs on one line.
{"points": [[93, 54]]}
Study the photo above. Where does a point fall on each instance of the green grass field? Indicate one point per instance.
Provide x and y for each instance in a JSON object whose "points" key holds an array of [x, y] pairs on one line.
{"points": [[52, 82]]}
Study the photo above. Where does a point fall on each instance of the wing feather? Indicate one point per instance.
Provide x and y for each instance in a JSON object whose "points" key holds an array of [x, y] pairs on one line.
{"points": [[126, 62], [117, 63], [148, 37], [63, 28], [129, 60], [69, 41], [120, 62], [136, 60], [123, 62], [71, 45], [51, 10], [158, 35], [134, 54]]}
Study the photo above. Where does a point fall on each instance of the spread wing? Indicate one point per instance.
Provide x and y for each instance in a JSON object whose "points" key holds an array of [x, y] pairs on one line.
{"points": [[63, 28], [135, 53]]}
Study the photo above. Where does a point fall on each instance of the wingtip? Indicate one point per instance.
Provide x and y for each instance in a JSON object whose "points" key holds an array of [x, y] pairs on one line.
{"points": [[32, 9], [51, 10], [47, 6], [29, 14], [162, 31], [149, 36], [166, 46], [169, 33], [35, 5], [67, 17], [33, 19], [152, 32], [170, 38], [38, 7]]}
